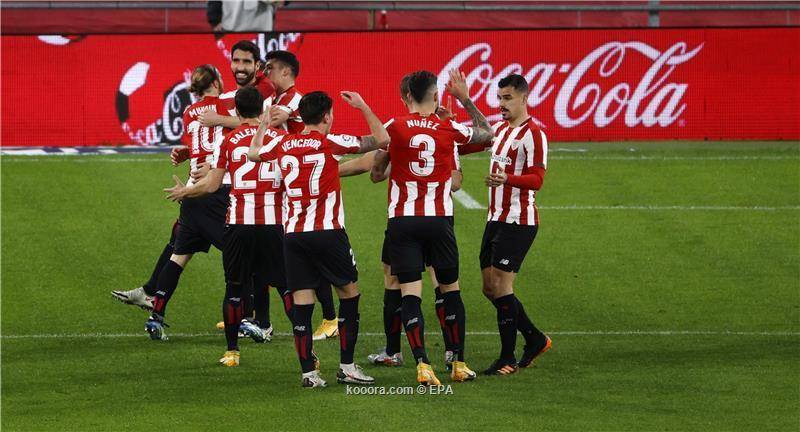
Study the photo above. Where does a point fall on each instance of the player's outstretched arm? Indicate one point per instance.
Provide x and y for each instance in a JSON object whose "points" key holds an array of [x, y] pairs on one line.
{"points": [[378, 138], [206, 185], [481, 129], [212, 119], [380, 167], [357, 166]]}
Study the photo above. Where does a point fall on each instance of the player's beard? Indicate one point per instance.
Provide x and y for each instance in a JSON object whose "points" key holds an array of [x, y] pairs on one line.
{"points": [[247, 80], [506, 114]]}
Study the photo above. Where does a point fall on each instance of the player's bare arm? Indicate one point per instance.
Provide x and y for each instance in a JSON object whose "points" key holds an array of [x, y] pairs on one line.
{"points": [[378, 138], [207, 185], [481, 129], [258, 141], [357, 166], [212, 119], [457, 177], [380, 167]]}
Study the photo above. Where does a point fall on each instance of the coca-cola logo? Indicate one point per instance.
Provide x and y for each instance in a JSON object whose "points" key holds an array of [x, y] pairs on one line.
{"points": [[167, 128], [586, 91]]}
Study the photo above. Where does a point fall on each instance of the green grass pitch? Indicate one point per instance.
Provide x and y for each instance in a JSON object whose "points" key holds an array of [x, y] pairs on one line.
{"points": [[667, 274]]}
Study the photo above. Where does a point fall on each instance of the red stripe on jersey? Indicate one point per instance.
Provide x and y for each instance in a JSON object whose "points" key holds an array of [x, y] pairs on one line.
{"points": [[439, 201], [523, 204], [538, 150], [401, 199], [259, 204], [419, 203], [239, 208]]}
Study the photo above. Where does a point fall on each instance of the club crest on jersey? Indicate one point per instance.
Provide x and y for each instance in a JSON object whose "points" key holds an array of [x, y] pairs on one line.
{"points": [[503, 160]]}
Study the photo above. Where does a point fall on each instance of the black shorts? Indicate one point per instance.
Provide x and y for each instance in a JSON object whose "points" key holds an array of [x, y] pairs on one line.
{"points": [[386, 257], [254, 251], [313, 258], [417, 241], [505, 245], [202, 222]]}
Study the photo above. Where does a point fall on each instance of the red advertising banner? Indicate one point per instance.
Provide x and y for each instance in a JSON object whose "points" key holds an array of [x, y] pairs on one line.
{"points": [[586, 85]]}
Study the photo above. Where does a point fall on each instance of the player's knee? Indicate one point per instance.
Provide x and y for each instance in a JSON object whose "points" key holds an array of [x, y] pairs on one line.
{"points": [[447, 276], [408, 277], [347, 291]]}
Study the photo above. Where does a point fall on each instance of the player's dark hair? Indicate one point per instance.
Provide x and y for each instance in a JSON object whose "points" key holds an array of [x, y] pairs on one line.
{"points": [[517, 82], [203, 77], [287, 59], [314, 106], [420, 83], [248, 46], [249, 102], [404, 86]]}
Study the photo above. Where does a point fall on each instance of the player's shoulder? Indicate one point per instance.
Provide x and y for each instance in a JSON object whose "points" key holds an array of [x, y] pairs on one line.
{"points": [[228, 95], [497, 125], [343, 140]]}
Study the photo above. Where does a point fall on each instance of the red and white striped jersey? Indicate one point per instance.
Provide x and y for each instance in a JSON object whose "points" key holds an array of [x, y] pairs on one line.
{"points": [[422, 152], [256, 196], [309, 165], [289, 101], [515, 150], [201, 140]]}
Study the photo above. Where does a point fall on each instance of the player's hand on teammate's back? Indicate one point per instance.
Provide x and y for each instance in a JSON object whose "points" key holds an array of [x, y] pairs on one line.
{"points": [[175, 193], [201, 171], [457, 86], [210, 119], [496, 179], [179, 155], [354, 99]]}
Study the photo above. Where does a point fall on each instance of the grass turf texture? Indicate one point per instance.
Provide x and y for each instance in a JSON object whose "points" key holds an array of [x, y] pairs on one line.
{"points": [[74, 228]]}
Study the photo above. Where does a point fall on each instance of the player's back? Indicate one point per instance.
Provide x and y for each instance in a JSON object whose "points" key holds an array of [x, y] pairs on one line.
{"points": [[256, 196], [310, 170], [421, 152], [204, 140]]}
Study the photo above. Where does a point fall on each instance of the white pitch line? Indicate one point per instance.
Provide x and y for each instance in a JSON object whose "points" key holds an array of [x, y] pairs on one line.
{"points": [[466, 200], [475, 333]]}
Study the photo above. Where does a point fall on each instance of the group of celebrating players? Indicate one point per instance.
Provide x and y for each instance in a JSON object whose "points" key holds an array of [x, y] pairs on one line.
{"points": [[264, 188]]}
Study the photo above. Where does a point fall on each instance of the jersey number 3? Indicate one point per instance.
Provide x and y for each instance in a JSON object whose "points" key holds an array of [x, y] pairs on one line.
{"points": [[427, 147]]}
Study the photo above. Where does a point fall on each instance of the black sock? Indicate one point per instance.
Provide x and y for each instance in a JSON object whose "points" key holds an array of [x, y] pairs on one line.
{"points": [[325, 297], [261, 306], [152, 283], [414, 324], [348, 328], [288, 302], [248, 300], [532, 335], [392, 321], [455, 319], [507, 325], [167, 282], [303, 342], [439, 304], [232, 312]]}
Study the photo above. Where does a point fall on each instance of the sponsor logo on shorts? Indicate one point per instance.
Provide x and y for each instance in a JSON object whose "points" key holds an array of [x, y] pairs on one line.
{"points": [[504, 261], [412, 321], [300, 328]]}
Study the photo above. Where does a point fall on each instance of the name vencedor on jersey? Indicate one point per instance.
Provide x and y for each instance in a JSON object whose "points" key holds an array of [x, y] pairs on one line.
{"points": [[663, 108]]}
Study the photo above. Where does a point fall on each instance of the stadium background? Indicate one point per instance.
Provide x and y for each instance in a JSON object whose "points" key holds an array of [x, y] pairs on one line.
{"points": [[668, 272]]}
